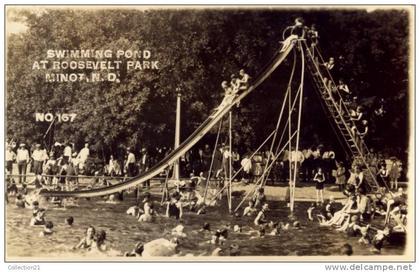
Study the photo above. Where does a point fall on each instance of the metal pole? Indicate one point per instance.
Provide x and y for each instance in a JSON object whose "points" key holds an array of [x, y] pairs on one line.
{"points": [[292, 192], [290, 150], [177, 131], [230, 162]]}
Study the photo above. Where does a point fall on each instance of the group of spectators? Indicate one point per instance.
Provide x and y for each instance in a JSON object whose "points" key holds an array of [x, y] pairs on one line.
{"points": [[63, 164]]}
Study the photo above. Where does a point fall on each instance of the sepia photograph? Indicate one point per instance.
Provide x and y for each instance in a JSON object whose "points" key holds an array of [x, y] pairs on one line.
{"points": [[209, 133]]}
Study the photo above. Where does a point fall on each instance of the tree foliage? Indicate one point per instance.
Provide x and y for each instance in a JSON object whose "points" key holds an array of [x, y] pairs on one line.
{"points": [[197, 49]]}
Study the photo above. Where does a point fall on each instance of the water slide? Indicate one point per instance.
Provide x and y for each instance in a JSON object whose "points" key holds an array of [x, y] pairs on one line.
{"points": [[204, 128]]}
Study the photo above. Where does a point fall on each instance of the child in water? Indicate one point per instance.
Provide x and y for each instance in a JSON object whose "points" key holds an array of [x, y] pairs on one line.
{"points": [[379, 239], [87, 241], [12, 189], [148, 213], [35, 207], [38, 218], [20, 201], [250, 210], [134, 211], [136, 252], [100, 238], [261, 217], [327, 211], [174, 207], [48, 229], [70, 220], [259, 198], [310, 210]]}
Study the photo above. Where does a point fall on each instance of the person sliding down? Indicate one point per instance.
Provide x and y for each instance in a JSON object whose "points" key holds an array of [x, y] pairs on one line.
{"points": [[240, 84], [234, 84], [229, 96]]}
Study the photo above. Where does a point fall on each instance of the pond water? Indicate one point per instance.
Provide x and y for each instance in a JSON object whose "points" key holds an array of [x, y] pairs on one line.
{"points": [[123, 232]]}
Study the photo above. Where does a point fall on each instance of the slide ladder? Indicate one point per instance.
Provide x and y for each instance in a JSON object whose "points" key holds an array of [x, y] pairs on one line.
{"points": [[339, 114]]}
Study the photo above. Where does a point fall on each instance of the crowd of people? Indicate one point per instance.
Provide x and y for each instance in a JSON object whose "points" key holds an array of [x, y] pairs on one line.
{"points": [[61, 168], [356, 216]]}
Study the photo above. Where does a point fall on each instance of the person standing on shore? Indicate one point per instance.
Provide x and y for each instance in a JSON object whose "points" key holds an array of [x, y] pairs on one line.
{"points": [[130, 165], [22, 160], [10, 158], [39, 156]]}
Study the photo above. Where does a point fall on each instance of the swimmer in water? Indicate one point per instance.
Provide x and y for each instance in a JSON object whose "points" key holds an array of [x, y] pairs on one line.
{"points": [[261, 232], [327, 211], [149, 213], [134, 211], [206, 227], [111, 199], [217, 252], [310, 210], [275, 229], [379, 239], [201, 210], [87, 241], [69, 221], [174, 207], [261, 217], [296, 225], [284, 226], [237, 228], [48, 229], [136, 252], [38, 219], [100, 239], [250, 210], [215, 238], [35, 207], [178, 231], [20, 201], [259, 198], [346, 249]]}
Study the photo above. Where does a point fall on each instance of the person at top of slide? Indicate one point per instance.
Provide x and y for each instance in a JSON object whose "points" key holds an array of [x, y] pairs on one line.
{"points": [[244, 80], [234, 83], [297, 29]]}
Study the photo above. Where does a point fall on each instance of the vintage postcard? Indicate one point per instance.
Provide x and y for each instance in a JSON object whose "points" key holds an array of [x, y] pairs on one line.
{"points": [[209, 133]]}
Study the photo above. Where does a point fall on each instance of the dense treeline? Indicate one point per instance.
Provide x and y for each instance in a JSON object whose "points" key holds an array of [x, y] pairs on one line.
{"points": [[197, 49]]}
